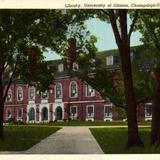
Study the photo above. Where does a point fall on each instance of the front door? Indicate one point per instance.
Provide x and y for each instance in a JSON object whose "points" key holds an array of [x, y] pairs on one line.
{"points": [[58, 113]]}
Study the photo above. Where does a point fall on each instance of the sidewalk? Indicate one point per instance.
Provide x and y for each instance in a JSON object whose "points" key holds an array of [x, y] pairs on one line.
{"points": [[68, 140]]}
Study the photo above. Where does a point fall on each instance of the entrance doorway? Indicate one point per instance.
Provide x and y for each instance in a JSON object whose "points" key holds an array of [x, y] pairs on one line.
{"points": [[44, 114], [58, 113]]}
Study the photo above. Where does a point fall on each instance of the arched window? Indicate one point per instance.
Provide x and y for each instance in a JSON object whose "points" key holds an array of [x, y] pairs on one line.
{"points": [[44, 113], [8, 113], [19, 94], [73, 89], [90, 92], [9, 96], [58, 90], [61, 67], [31, 114], [19, 113], [31, 93]]}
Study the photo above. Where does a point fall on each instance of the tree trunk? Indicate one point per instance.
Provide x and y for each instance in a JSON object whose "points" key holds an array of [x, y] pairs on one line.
{"points": [[133, 135], [1, 120], [124, 48], [155, 129]]}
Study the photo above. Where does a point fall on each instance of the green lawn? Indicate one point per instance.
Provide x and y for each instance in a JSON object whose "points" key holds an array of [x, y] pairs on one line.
{"points": [[114, 140], [89, 123], [18, 138]]}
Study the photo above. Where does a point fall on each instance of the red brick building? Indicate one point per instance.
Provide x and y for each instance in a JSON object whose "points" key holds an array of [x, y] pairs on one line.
{"points": [[69, 98]]}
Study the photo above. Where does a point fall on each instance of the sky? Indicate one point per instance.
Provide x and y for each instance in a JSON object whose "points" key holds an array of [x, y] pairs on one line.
{"points": [[104, 34]]}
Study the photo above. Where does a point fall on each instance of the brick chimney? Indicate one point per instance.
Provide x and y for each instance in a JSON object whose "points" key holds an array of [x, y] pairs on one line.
{"points": [[33, 51], [72, 57]]}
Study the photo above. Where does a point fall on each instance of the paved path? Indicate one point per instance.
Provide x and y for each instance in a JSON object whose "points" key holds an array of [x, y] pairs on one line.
{"points": [[68, 140]]}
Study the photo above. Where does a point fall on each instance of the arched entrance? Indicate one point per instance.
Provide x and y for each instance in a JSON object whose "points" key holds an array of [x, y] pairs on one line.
{"points": [[31, 114], [58, 113], [44, 114]]}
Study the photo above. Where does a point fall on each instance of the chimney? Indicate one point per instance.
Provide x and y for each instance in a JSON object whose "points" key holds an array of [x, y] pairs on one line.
{"points": [[33, 51], [72, 57]]}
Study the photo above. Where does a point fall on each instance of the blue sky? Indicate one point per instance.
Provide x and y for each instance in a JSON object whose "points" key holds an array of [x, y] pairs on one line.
{"points": [[103, 32]]}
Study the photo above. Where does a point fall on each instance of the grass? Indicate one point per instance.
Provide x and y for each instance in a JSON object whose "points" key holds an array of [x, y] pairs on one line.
{"points": [[89, 123], [114, 140], [18, 138]]}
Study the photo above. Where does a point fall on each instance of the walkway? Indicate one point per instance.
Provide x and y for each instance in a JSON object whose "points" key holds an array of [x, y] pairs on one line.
{"points": [[68, 140]]}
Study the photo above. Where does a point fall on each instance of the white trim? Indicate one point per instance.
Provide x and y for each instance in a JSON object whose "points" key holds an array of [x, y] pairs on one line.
{"points": [[61, 91], [87, 117], [47, 113], [74, 82], [96, 101], [148, 117], [29, 98], [73, 116], [19, 118], [109, 60], [11, 99], [105, 115], [86, 88], [11, 116], [19, 88]]}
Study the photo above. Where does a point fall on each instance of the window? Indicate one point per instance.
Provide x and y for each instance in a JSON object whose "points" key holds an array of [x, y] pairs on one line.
{"points": [[58, 90], [108, 111], [109, 60], [60, 67], [31, 93], [9, 96], [19, 94], [9, 113], [73, 90], [44, 95], [73, 112], [19, 113], [90, 92], [90, 111], [75, 66], [148, 110]]}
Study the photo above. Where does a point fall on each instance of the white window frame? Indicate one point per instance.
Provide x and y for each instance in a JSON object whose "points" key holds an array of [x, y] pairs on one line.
{"points": [[105, 114], [75, 66], [8, 109], [87, 88], [61, 91], [146, 116], [70, 91], [73, 116], [10, 90], [34, 93], [46, 93], [19, 118], [109, 60], [20, 88], [61, 67], [89, 117]]}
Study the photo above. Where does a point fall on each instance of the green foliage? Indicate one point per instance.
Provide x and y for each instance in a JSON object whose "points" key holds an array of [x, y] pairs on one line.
{"points": [[121, 113]]}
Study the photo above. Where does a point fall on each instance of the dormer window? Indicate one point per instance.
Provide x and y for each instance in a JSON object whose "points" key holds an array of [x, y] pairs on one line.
{"points": [[109, 60], [32, 93], [44, 95], [9, 96], [61, 67], [19, 94], [75, 66]]}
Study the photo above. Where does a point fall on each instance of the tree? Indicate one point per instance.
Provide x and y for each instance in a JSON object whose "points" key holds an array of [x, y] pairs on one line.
{"points": [[148, 24], [25, 35], [118, 20]]}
